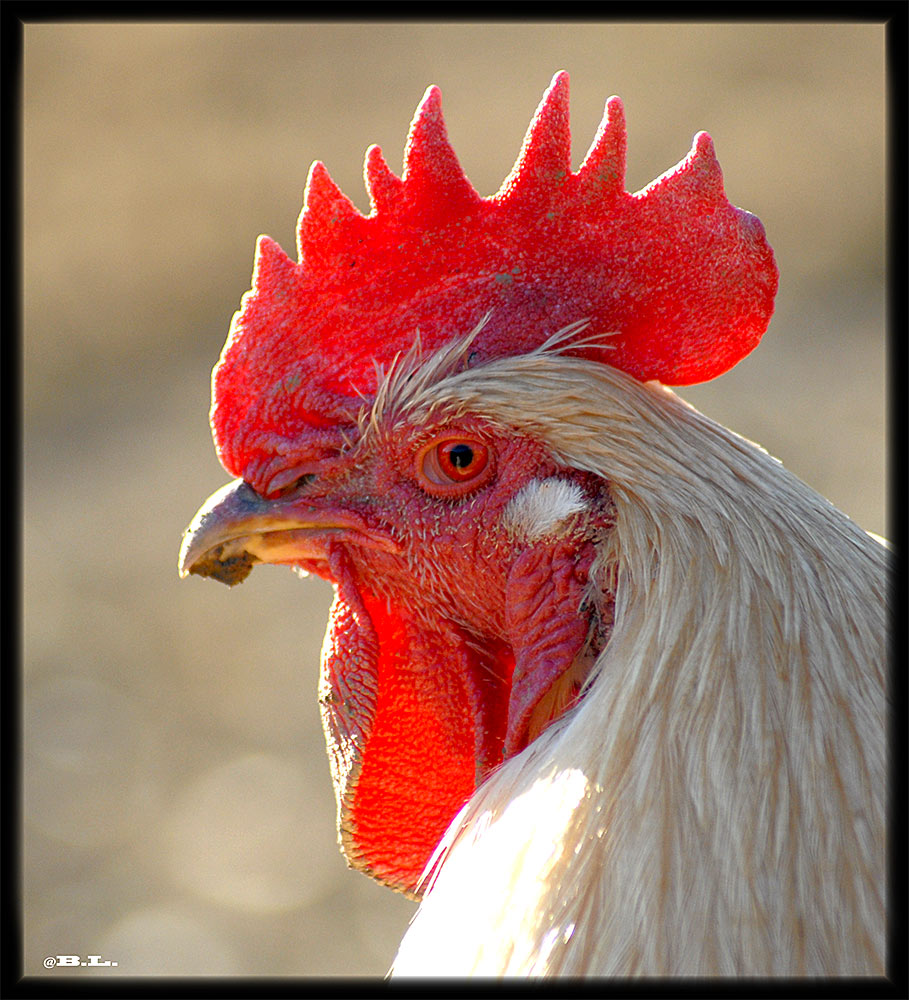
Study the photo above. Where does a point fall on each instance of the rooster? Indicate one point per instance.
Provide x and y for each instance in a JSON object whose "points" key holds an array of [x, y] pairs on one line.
{"points": [[602, 683]]}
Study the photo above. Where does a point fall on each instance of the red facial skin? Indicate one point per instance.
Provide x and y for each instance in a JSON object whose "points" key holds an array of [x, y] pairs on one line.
{"points": [[447, 629]]}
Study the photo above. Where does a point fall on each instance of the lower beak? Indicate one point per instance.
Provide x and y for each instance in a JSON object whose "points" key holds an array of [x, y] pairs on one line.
{"points": [[236, 528]]}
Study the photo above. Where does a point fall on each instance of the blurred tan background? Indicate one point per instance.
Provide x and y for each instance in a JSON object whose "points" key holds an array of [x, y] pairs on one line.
{"points": [[179, 812]]}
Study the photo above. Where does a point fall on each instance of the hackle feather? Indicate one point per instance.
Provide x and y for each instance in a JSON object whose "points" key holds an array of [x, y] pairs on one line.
{"points": [[715, 804]]}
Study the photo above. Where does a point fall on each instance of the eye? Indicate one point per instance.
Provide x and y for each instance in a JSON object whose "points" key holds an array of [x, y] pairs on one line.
{"points": [[459, 461], [454, 466]]}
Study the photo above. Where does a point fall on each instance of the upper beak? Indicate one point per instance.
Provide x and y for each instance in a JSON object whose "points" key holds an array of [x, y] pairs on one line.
{"points": [[236, 528]]}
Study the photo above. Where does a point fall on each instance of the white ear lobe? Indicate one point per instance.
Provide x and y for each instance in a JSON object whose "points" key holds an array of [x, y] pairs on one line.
{"points": [[543, 508]]}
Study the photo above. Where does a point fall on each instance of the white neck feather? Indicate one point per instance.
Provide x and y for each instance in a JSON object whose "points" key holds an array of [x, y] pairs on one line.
{"points": [[715, 804]]}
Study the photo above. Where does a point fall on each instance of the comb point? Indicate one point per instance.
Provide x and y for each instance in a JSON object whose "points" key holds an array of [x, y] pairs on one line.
{"points": [[272, 265], [709, 171], [327, 213], [545, 158], [383, 186], [602, 174], [696, 180], [434, 182]]}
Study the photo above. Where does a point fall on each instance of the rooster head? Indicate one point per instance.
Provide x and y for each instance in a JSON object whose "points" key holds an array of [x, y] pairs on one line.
{"points": [[469, 604]]}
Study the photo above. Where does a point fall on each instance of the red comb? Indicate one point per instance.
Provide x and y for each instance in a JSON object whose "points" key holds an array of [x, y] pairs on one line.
{"points": [[681, 281]]}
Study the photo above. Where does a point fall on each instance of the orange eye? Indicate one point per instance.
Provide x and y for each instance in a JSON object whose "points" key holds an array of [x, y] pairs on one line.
{"points": [[454, 467]]}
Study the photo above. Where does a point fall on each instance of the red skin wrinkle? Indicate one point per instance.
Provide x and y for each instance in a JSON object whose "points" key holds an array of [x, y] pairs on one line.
{"points": [[545, 626], [348, 678]]}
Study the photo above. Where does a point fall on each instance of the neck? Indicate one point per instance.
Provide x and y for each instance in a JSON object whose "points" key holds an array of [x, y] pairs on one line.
{"points": [[714, 805]]}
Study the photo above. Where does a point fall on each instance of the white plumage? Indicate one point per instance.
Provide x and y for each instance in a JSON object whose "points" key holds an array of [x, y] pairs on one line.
{"points": [[715, 804]]}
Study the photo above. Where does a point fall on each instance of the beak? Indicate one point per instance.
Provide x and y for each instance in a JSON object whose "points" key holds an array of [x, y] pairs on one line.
{"points": [[236, 528]]}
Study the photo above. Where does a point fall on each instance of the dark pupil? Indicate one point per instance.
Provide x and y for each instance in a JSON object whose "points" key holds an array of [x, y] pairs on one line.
{"points": [[461, 456]]}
